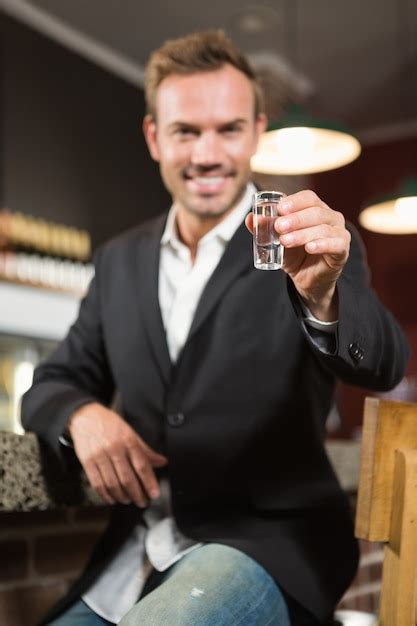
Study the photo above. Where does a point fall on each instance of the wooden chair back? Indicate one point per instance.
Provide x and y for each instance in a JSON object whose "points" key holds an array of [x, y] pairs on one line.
{"points": [[387, 503]]}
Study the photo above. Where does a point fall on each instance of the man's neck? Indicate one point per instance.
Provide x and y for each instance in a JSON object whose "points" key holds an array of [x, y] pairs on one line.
{"points": [[192, 228]]}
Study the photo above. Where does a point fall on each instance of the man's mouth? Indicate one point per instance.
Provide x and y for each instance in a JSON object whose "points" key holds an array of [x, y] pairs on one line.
{"points": [[207, 184], [209, 180]]}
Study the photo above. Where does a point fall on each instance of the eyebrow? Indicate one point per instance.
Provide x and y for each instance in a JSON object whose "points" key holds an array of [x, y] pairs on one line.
{"points": [[235, 122], [239, 121]]}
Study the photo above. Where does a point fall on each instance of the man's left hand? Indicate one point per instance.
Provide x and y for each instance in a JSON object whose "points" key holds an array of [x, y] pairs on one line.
{"points": [[316, 244]]}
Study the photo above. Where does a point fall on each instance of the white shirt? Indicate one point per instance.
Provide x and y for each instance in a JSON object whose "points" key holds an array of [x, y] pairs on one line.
{"points": [[181, 284]]}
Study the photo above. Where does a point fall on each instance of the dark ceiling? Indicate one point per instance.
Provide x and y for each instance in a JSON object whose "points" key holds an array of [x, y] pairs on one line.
{"points": [[354, 61]]}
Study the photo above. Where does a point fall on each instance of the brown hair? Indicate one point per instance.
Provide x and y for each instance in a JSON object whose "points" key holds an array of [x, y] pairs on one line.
{"points": [[199, 52]]}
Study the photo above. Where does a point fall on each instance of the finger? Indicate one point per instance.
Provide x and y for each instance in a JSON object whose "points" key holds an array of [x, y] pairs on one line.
{"points": [[156, 459], [96, 481], [311, 216], [300, 200], [331, 247], [144, 471], [301, 237], [249, 222], [111, 480], [130, 482]]}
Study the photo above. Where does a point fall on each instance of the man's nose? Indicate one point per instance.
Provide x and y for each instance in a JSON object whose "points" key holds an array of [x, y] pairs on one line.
{"points": [[207, 149]]}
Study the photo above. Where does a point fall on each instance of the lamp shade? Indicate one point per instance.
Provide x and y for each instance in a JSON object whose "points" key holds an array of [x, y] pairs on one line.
{"points": [[300, 144], [395, 214]]}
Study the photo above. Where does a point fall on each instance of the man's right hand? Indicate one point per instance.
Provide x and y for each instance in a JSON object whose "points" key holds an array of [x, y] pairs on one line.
{"points": [[118, 463]]}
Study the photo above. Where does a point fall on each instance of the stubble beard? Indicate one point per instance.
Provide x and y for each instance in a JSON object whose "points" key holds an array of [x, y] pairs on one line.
{"points": [[216, 213]]}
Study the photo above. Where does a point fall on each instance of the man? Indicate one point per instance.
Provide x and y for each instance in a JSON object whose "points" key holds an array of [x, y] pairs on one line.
{"points": [[226, 508]]}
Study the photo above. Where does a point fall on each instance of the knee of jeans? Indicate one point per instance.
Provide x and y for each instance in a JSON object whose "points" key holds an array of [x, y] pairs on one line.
{"points": [[230, 558], [211, 581]]}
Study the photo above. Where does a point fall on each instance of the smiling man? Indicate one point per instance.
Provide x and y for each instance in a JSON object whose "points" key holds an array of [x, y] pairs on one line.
{"points": [[203, 131], [225, 508]]}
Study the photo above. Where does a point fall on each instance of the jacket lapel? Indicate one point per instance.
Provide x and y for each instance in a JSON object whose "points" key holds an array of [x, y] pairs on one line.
{"points": [[148, 265], [237, 259]]}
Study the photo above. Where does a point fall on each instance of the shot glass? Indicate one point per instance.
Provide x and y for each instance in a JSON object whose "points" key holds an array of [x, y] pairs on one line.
{"points": [[268, 253]]}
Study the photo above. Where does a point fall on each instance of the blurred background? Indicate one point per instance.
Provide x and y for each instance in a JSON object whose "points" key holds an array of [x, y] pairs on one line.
{"points": [[72, 151], [74, 171]]}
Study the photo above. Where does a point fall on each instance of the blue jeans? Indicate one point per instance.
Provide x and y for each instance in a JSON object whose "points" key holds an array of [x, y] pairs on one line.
{"points": [[80, 615], [214, 585]]}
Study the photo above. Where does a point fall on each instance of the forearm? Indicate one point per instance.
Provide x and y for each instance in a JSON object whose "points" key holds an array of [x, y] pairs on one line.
{"points": [[370, 349], [47, 407], [323, 304], [370, 341], [77, 373]]}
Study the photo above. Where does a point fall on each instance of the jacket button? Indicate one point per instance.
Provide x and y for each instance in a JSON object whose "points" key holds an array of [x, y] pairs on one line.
{"points": [[176, 419], [356, 352]]}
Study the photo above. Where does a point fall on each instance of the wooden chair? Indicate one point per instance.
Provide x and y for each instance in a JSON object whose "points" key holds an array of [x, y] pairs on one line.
{"points": [[387, 504]]}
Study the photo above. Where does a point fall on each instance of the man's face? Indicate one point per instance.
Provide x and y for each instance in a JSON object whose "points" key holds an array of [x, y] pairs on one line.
{"points": [[204, 136]]}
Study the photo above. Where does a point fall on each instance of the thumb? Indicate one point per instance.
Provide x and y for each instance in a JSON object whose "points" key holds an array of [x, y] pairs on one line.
{"points": [[249, 222]]}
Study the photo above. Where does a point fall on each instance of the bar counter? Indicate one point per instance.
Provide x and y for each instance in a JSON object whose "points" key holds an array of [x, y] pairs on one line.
{"points": [[31, 478]]}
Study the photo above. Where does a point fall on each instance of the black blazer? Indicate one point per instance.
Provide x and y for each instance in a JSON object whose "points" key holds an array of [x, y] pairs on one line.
{"points": [[241, 414]]}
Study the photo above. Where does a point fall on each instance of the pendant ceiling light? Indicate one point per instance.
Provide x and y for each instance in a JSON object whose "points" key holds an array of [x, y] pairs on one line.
{"points": [[396, 214], [300, 144]]}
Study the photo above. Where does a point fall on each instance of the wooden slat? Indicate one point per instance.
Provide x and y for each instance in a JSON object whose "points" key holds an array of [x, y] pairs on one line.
{"points": [[398, 596], [364, 499], [388, 426]]}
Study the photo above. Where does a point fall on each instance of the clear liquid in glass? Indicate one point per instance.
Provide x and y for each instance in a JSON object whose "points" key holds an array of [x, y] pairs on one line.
{"points": [[268, 253]]}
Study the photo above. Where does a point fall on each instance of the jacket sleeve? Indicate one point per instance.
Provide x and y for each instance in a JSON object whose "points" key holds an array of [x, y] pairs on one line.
{"points": [[76, 373], [371, 349]]}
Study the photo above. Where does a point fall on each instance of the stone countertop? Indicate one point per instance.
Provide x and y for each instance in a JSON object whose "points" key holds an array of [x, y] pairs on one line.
{"points": [[31, 478]]}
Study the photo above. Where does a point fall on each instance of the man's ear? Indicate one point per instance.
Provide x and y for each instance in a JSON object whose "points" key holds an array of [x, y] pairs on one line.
{"points": [[149, 130]]}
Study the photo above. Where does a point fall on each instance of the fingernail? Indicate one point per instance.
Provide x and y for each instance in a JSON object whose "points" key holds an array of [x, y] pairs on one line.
{"points": [[285, 205], [154, 494], [284, 225], [287, 239]]}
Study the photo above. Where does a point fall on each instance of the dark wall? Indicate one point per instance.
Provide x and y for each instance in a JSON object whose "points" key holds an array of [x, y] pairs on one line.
{"points": [[72, 146], [72, 151], [392, 259]]}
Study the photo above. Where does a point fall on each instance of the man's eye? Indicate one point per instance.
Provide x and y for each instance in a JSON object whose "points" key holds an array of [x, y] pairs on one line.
{"points": [[185, 132], [231, 130]]}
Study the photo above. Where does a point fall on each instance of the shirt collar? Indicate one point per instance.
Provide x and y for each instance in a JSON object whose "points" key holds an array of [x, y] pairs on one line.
{"points": [[224, 230]]}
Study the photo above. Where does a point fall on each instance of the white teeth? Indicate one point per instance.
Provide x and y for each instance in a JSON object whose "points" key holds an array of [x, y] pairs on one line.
{"points": [[214, 180]]}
